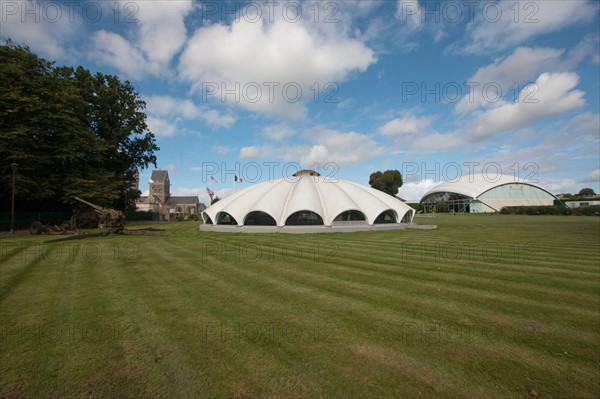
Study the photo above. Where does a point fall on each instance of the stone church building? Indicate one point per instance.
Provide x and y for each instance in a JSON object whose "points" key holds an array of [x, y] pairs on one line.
{"points": [[160, 199]]}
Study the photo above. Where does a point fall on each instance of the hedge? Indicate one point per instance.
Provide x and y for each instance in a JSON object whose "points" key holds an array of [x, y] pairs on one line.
{"points": [[593, 210]]}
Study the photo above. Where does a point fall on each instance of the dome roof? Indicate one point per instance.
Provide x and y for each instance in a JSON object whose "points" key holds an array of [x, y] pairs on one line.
{"points": [[307, 198], [475, 185]]}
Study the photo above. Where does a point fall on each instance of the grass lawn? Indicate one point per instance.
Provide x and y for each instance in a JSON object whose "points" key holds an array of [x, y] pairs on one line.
{"points": [[483, 306]]}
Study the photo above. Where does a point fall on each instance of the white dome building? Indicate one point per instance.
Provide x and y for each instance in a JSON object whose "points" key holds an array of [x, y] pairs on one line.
{"points": [[481, 194], [307, 202]]}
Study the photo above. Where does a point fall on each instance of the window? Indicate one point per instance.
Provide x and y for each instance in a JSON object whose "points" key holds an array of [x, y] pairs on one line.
{"points": [[225, 218], [349, 216], [386, 217], [304, 218], [258, 218]]}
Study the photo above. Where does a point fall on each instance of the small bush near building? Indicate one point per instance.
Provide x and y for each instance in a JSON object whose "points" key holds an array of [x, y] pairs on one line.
{"points": [[192, 217]]}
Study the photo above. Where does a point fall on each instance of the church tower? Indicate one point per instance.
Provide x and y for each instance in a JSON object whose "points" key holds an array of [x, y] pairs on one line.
{"points": [[160, 187]]}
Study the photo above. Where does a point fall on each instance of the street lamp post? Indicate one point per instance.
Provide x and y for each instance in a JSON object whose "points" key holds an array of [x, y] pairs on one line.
{"points": [[12, 208]]}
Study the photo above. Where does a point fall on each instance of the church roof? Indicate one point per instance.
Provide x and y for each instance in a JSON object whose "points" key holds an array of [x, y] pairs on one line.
{"points": [[172, 201], [159, 175]]}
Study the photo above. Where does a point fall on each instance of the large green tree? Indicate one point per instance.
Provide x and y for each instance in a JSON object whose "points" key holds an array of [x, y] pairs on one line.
{"points": [[585, 192], [71, 133], [388, 182]]}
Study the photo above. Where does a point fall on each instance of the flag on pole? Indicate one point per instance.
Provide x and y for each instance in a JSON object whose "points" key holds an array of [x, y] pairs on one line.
{"points": [[238, 179], [210, 192], [213, 180]]}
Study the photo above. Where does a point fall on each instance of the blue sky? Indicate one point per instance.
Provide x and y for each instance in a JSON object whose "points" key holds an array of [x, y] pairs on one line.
{"points": [[260, 89]]}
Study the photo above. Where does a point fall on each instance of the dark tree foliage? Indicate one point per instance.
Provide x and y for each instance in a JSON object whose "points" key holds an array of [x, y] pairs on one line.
{"points": [[585, 192], [71, 133], [389, 181]]}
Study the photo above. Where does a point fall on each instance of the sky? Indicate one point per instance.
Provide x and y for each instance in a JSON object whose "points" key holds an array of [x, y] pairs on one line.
{"points": [[259, 90]]}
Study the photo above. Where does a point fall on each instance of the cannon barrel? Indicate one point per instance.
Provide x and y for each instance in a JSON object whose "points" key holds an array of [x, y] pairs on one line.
{"points": [[89, 203], [108, 217]]}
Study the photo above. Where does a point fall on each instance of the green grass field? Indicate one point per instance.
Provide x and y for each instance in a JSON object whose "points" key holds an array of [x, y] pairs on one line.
{"points": [[483, 306]]}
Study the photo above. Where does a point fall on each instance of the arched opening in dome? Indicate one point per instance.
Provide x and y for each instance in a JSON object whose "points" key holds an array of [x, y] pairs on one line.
{"points": [[350, 217], [407, 217], [207, 219], [258, 218], [386, 217], [304, 218], [225, 218]]}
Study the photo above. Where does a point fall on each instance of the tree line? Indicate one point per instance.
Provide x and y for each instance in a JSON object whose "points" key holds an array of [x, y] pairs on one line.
{"points": [[71, 132]]}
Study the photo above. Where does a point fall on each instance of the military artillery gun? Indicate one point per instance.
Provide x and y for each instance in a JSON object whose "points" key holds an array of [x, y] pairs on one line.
{"points": [[109, 218], [112, 219]]}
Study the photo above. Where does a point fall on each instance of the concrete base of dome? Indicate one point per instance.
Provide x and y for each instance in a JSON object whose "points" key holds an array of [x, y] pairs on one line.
{"points": [[221, 228]]}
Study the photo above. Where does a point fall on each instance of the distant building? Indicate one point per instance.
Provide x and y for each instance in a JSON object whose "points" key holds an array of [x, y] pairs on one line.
{"points": [[580, 203], [476, 193], [160, 199]]}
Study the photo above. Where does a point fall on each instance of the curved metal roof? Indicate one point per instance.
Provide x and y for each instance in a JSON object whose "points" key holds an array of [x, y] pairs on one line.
{"points": [[307, 191], [475, 185]]}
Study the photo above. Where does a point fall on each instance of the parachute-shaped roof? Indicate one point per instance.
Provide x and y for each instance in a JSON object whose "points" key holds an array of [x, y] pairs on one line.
{"points": [[308, 195]]}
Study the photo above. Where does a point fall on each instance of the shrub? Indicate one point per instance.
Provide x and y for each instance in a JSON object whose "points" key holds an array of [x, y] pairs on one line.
{"points": [[592, 210], [192, 217]]}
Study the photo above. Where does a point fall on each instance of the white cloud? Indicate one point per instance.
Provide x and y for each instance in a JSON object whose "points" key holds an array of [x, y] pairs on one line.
{"points": [[112, 49], [342, 148], [158, 35], [557, 185], [278, 132], [413, 191], [257, 60], [42, 26], [415, 133], [593, 177], [409, 12], [587, 47], [405, 125], [318, 153], [160, 127], [553, 95], [256, 152], [524, 63], [217, 119], [495, 29], [162, 31], [562, 142], [171, 106], [166, 106]]}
